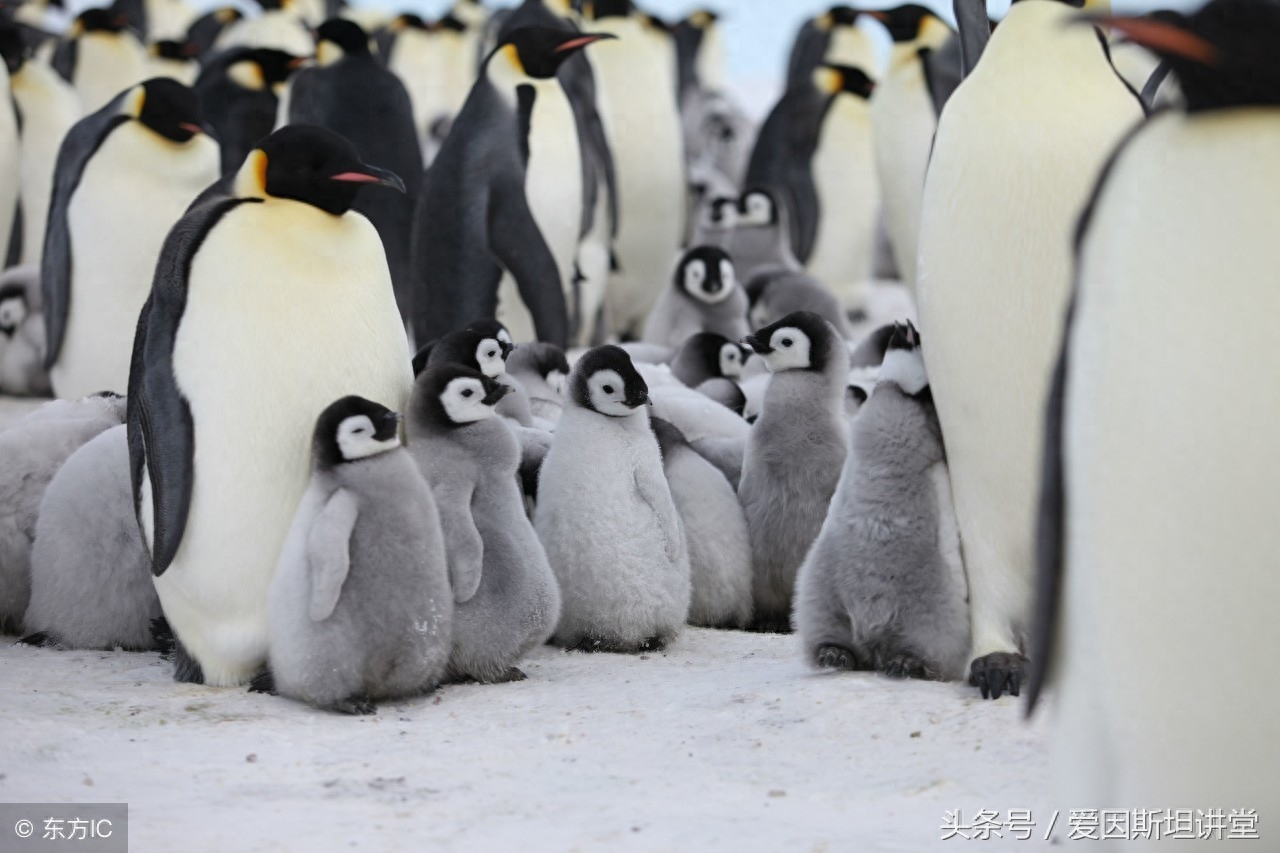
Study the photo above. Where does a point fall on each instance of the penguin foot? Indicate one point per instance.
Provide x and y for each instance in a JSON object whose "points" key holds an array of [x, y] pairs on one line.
{"points": [[512, 674], [354, 705], [770, 625], [652, 644], [906, 666], [998, 673], [263, 682], [38, 639], [186, 669], [162, 635], [836, 657]]}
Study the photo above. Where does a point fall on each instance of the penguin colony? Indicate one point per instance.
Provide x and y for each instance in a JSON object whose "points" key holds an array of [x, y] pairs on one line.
{"points": [[388, 349]]}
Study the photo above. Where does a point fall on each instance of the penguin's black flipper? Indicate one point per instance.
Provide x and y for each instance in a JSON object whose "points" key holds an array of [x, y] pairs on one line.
{"points": [[161, 431], [80, 144], [975, 31], [807, 53], [520, 248], [943, 71], [64, 58]]}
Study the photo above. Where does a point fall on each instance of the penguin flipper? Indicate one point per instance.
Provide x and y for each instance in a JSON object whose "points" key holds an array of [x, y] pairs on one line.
{"points": [[807, 52], [657, 495], [64, 59], [520, 248], [942, 71], [329, 552], [462, 541], [80, 144], [974, 28]]}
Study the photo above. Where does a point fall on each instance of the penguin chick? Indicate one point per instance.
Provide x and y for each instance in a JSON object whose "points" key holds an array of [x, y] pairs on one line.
{"points": [[606, 516], [726, 392], [779, 293], [704, 296], [708, 355], [794, 455], [90, 573], [715, 529], [360, 606], [31, 452], [507, 601], [715, 223], [883, 587], [14, 309], [541, 369], [762, 235]]}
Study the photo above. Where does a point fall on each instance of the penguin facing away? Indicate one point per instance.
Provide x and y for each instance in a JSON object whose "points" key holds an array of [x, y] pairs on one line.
{"points": [[794, 455], [149, 145], [507, 601], [239, 92], [542, 370], [704, 296], [606, 516], [1043, 100], [208, 346], [1157, 534], [100, 57], [883, 587], [361, 608]]}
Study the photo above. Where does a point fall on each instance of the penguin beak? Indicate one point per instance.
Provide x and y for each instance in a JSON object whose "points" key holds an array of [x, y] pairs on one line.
{"points": [[638, 397], [370, 175], [1159, 36], [191, 127], [389, 427], [506, 349], [757, 345], [496, 393], [582, 41]]}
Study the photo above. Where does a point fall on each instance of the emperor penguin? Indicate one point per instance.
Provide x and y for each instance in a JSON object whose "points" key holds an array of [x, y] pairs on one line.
{"points": [[1157, 535], [482, 346], [794, 455], [279, 24], [714, 221], [507, 601], [22, 340], [704, 296], [833, 37], [716, 530], [205, 30], [903, 120], [637, 85], [502, 195], [436, 62], [90, 576], [541, 369], [708, 355], [31, 452], [100, 57], [351, 92], [157, 20], [239, 92], [174, 59], [761, 240], [772, 296], [149, 145], [883, 587], [606, 516], [307, 269], [1019, 145], [361, 606]]}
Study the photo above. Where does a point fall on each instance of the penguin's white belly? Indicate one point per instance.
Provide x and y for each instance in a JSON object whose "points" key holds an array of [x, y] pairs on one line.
{"points": [[282, 30], [904, 122], [1017, 153], [429, 68], [105, 67], [844, 173], [168, 19], [288, 309], [1171, 474], [132, 192], [49, 108], [553, 186]]}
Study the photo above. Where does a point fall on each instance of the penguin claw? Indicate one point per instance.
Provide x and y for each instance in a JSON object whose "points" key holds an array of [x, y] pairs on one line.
{"points": [[355, 705], [998, 673], [905, 666], [835, 657]]}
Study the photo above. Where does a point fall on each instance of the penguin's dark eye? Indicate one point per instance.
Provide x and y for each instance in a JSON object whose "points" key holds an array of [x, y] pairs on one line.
{"points": [[786, 342], [491, 354], [608, 389], [468, 392]]}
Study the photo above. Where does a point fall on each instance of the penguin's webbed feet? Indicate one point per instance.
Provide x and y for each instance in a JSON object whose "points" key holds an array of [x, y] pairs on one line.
{"points": [[906, 665], [354, 705], [836, 657], [998, 673], [263, 682]]}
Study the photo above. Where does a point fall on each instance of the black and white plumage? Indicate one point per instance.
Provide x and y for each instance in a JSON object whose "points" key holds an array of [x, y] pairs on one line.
{"points": [[704, 296], [542, 370], [100, 57], [239, 92]]}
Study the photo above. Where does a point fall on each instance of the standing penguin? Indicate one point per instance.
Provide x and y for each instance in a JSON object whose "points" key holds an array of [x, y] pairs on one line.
{"points": [[794, 455], [903, 119], [361, 608], [100, 57], [833, 37], [174, 59], [436, 62], [606, 516], [704, 296], [239, 92], [148, 145], [492, 189], [208, 359], [482, 346], [507, 599], [1157, 529], [350, 92], [279, 25], [1019, 146], [883, 587]]}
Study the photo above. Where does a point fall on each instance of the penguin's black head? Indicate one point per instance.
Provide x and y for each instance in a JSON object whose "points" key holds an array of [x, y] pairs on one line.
{"points": [[494, 329], [177, 51], [605, 381], [722, 212], [758, 207], [337, 38], [352, 429], [717, 355], [166, 107], [480, 347], [903, 363], [701, 19], [904, 23], [312, 165], [13, 308], [261, 69], [453, 395], [611, 9], [540, 51], [705, 274], [13, 47], [273, 5], [840, 15], [837, 79], [99, 21], [547, 360], [1226, 55], [799, 341], [408, 21], [449, 24]]}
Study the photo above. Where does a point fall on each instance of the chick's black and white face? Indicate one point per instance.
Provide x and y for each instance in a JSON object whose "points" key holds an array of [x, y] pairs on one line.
{"points": [[359, 438], [609, 394], [731, 360], [13, 310], [709, 280], [465, 401], [757, 211], [491, 356]]}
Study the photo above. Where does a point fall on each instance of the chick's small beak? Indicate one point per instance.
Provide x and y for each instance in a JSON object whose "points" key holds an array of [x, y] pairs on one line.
{"points": [[389, 427], [756, 345], [496, 393]]}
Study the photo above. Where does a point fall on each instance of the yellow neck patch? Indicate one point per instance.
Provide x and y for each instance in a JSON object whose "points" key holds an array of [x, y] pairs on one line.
{"points": [[133, 102], [251, 180], [828, 80]]}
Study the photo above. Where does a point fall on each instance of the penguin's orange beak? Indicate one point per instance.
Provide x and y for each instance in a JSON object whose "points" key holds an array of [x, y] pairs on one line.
{"points": [[579, 43], [372, 176], [194, 129]]}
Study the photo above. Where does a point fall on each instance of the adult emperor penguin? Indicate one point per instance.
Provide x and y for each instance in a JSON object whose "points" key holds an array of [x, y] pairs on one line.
{"points": [[148, 144], [1019, 145], [489, 200], [903, 120], [49, 107], [642, 118], [350, 92], [208, 356], [436, 62], [1157, 535], [239, 92], [833, 37], [280, 25], [175, 59], [100, 57], [205, 30]]}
